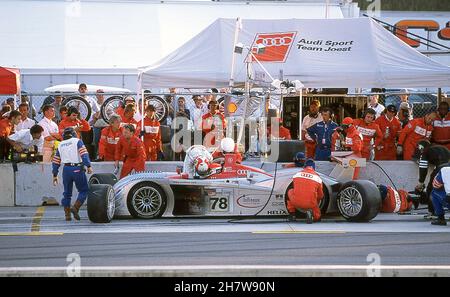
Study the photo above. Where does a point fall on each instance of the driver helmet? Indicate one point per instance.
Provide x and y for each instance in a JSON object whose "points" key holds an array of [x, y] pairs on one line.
{"points": [[201, 165], [69, 133], [310, 163], [227, 145], [299, 159]]}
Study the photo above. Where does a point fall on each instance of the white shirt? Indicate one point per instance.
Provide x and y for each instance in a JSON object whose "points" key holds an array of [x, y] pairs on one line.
{"points": [[308, 122], [25, 139], [196, 117], [49, 127], [378, 109], [26, 124]]}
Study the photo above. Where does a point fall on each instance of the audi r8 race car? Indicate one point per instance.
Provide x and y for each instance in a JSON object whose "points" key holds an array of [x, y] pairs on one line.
{"points": [[235, 190]]}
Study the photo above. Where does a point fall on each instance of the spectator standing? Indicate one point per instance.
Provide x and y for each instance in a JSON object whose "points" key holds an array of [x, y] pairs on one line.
{"points": [[373, 103], [98, 123], [309, 120], [196, 112], [50, 133], [25, 121], [88, 136]]}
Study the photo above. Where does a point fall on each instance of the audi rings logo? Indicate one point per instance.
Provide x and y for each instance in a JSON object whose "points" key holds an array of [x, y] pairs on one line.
{"points": [[242, 172], [274, 41], [276, 46]]}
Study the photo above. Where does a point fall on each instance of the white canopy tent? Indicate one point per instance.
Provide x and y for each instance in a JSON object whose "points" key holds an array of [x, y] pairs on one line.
{"points": [[321, 53]]}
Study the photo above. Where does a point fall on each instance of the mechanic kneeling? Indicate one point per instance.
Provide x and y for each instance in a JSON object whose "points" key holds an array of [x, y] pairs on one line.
{"points": [[27, 140], [73, 154], [306, 194]]}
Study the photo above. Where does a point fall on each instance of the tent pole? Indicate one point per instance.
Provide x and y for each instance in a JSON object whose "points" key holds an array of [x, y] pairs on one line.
{"points": [[141, 94], [439, 95], [233, 59], [300, 113]]}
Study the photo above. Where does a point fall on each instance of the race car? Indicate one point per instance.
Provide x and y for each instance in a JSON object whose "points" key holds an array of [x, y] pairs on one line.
{"points": [[234, 190]]}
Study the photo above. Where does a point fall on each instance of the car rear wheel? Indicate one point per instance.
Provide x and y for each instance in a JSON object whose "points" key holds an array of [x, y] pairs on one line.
{"points": [[146, 200], [359, 201], [103, 178], [100, 203]]}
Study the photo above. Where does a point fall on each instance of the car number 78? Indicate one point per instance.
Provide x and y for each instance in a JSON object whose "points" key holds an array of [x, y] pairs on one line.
{"points": [[218, 203]]}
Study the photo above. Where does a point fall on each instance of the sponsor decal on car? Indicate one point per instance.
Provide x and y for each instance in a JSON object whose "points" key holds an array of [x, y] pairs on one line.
{"points": [[250, 202]]}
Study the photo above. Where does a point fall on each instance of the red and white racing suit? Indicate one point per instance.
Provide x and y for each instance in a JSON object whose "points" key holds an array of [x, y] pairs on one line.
{"points": [[396, 201], [307, 192], [411, 134]]}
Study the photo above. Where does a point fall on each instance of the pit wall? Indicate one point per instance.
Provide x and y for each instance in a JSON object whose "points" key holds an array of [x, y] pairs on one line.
{"points": [[32, 184]]}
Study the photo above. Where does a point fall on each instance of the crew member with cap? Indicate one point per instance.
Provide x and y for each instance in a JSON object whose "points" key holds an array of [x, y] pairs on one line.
{"points": [[371, 133], [390, 127], [109, 139], [321, 133], [73, 154], [416, 130], [213, 124], [312, 118], [441, 130], [404, 115], [306, 194], [151, 133], [130, 150], [73, 121], [434, 156], [441, 195], [128, 116], [347, 138]]}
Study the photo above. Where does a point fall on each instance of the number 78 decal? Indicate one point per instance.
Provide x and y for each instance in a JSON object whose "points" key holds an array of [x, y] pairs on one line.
{"points": [[218, 203]]}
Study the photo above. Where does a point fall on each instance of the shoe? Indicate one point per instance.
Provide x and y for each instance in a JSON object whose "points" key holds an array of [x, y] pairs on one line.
{"points": [[429, 216], [440, 221], [292, 218], [309, 217], [75, 209], [67, 214]]}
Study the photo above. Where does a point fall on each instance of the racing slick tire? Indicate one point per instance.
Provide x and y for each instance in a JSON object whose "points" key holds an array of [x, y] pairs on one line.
{"points": [[161, 106], [100, 203], [81, 104], [109, 107], [359, 201], [103, 178], [146, 200]]}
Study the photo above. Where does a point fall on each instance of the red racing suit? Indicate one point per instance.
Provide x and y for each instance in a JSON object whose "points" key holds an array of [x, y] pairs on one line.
{"points": [[441, 131], [368, 132], [283, 133], [353, 141], [307, 192], [66, 123], [211, 123], [411, 134], [132, 153], [390, 130], [152, 138], [108, 143], [396, 201]]}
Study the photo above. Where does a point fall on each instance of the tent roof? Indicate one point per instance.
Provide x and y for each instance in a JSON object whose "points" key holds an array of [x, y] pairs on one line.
{"points": [[363, 55], [9, 81]]}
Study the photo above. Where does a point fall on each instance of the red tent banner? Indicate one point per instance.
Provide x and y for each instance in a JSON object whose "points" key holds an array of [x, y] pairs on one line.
{"points": [[9, 81]]}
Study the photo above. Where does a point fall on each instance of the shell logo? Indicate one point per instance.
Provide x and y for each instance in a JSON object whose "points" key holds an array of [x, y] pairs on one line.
{"points": [[353, 163], [232, 107]]}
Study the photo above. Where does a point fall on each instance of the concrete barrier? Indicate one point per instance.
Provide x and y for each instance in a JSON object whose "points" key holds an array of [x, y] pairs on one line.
{"points": [[7, 188], [34, 181]]}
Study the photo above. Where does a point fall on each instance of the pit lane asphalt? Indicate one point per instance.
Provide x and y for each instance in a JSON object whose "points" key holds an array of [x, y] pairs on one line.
{"points": [[39, 237]]}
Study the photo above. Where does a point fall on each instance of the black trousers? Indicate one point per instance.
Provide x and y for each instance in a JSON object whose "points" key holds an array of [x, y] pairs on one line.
{"points": [[5, 148]]}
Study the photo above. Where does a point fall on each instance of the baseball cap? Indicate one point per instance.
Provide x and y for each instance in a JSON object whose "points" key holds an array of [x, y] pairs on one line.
{"points": [[347, 121], [100, 91]]}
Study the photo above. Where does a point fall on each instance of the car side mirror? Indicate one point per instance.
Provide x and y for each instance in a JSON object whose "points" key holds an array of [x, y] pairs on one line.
{"points": [[249, 175]]}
